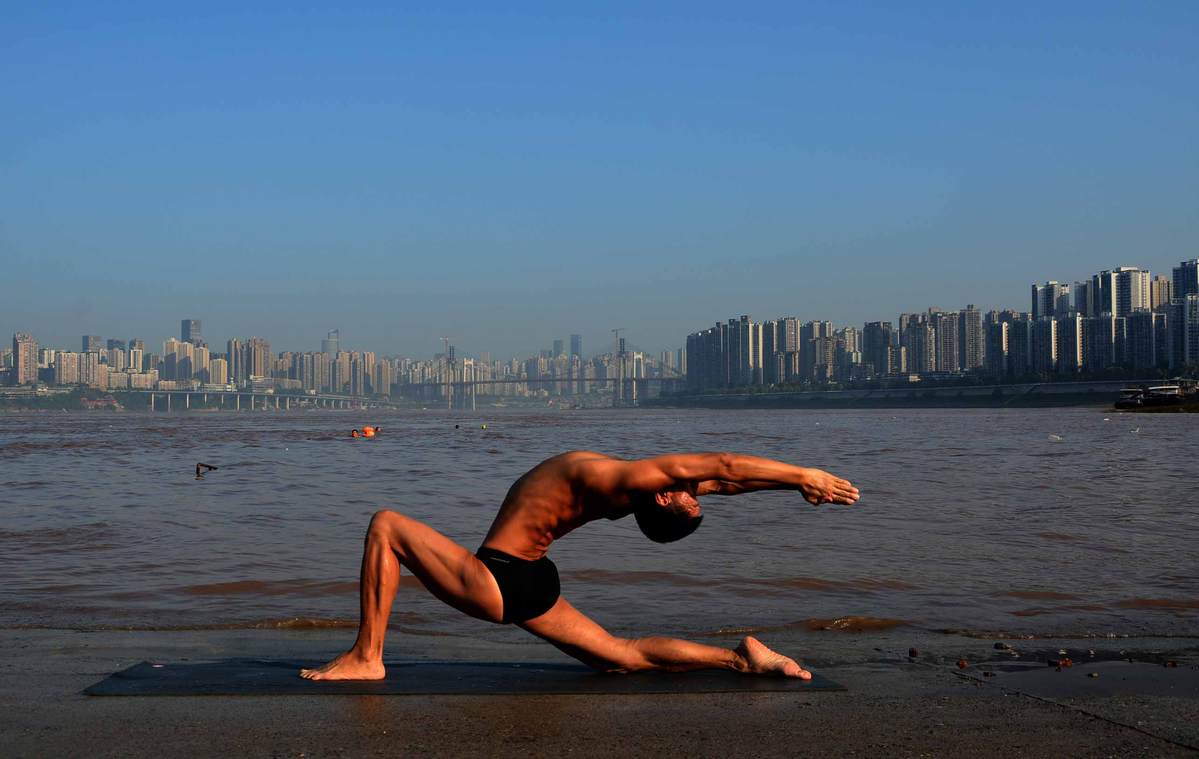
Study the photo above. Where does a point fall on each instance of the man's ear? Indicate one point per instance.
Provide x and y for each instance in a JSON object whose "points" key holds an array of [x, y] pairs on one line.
{"points": [[661, 499]]}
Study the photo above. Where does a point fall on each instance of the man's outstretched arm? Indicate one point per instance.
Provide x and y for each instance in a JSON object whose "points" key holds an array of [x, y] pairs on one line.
{"points": [[732, 474]]}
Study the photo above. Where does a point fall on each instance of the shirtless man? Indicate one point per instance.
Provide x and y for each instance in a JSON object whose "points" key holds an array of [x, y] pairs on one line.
{"points": [[510, 579]]}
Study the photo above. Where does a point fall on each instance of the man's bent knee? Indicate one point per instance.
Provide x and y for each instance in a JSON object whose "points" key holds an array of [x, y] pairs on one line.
{"points": [[384, 522]]}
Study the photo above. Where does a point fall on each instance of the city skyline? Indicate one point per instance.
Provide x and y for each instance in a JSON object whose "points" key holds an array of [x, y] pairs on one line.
{"points": [[599, 342], [1123, 318], [404, 175]]}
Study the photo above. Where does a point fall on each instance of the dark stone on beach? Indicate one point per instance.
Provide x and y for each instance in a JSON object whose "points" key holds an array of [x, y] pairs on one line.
{"points": [[913, 653], [1001, 646], [1093, 674]]}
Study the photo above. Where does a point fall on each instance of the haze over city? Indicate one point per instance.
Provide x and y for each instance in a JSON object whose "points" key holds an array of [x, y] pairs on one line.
{"points": [[510, 177]]}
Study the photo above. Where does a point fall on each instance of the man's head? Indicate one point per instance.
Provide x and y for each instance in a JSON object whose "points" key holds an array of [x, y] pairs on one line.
{"points": [[669, 516]]}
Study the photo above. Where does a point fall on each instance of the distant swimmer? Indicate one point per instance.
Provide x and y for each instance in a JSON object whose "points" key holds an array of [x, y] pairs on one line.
{"points": [[201, 467], [510, 580], [355, 433], [371, 431]]}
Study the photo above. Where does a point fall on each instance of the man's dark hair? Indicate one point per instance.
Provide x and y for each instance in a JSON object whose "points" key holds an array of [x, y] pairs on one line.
{"points": [[664, 526]]}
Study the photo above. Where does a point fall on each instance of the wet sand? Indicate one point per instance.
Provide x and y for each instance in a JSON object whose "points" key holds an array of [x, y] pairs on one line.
{"points": [[895, 705]]}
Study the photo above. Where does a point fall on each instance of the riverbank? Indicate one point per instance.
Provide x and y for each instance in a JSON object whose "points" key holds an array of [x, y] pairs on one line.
{"points": [[894, 705], [1032, 395]]}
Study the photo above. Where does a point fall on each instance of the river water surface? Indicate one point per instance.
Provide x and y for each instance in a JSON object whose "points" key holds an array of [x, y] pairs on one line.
{"points": [[1046, 522]]}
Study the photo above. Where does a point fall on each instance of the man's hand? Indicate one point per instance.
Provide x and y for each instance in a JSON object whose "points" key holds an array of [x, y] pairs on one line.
{"points": [[818, 486]]}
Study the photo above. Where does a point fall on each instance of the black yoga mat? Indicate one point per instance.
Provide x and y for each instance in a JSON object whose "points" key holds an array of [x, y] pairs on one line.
{"points": [[257, 677]]}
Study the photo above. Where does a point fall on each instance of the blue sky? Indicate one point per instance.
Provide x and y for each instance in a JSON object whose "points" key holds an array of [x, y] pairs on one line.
{"points": [[507, 177]]}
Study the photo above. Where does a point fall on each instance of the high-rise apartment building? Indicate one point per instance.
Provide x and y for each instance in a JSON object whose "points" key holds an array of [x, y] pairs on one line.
{"points": [[971, 339], [945, 323], [997, 348], [1099, 342], [24, 359], [1044, 346], [66, 368], [1146, 329], [919, 343], [1082, 298], [576, 346], [1186, 279], [1050, 299], [92, 343], [1132, 290], [258, 357], [236, 356], [218, 371], [877, 353], [1190, 329], [1020, 362], [1069, 342], [1160, 290]]}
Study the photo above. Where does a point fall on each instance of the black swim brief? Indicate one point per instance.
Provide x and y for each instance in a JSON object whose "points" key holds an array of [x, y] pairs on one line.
{"points": [[529, 588]]}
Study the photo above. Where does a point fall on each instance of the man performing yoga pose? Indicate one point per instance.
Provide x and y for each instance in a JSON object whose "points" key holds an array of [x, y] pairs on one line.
{"points": [[510, 579]]}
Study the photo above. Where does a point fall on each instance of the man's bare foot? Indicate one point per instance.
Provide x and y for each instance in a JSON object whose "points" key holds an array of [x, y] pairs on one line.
{"points": [[348, 666], [762, 661]]}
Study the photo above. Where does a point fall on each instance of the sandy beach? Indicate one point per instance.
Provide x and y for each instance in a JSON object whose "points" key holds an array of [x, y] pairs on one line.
{"points": [[894, 705]]}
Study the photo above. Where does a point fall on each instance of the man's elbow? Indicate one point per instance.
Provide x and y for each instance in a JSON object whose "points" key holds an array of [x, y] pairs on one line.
{"points": [[726, 466]]}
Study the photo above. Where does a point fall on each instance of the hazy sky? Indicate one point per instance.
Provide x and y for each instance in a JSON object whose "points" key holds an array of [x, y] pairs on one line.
{"points": [[506, 177]]}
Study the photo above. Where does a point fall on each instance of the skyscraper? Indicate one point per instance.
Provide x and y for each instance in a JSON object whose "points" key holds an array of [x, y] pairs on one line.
{"points": [[24, 359], [189, 332], [92, 343], [331, 345], [576, 345], [559, 348], [1186, 279]]}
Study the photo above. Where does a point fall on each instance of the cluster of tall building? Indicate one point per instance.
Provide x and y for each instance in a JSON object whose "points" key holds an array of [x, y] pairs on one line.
{"points": [[188, 363], [1121, 318]]}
